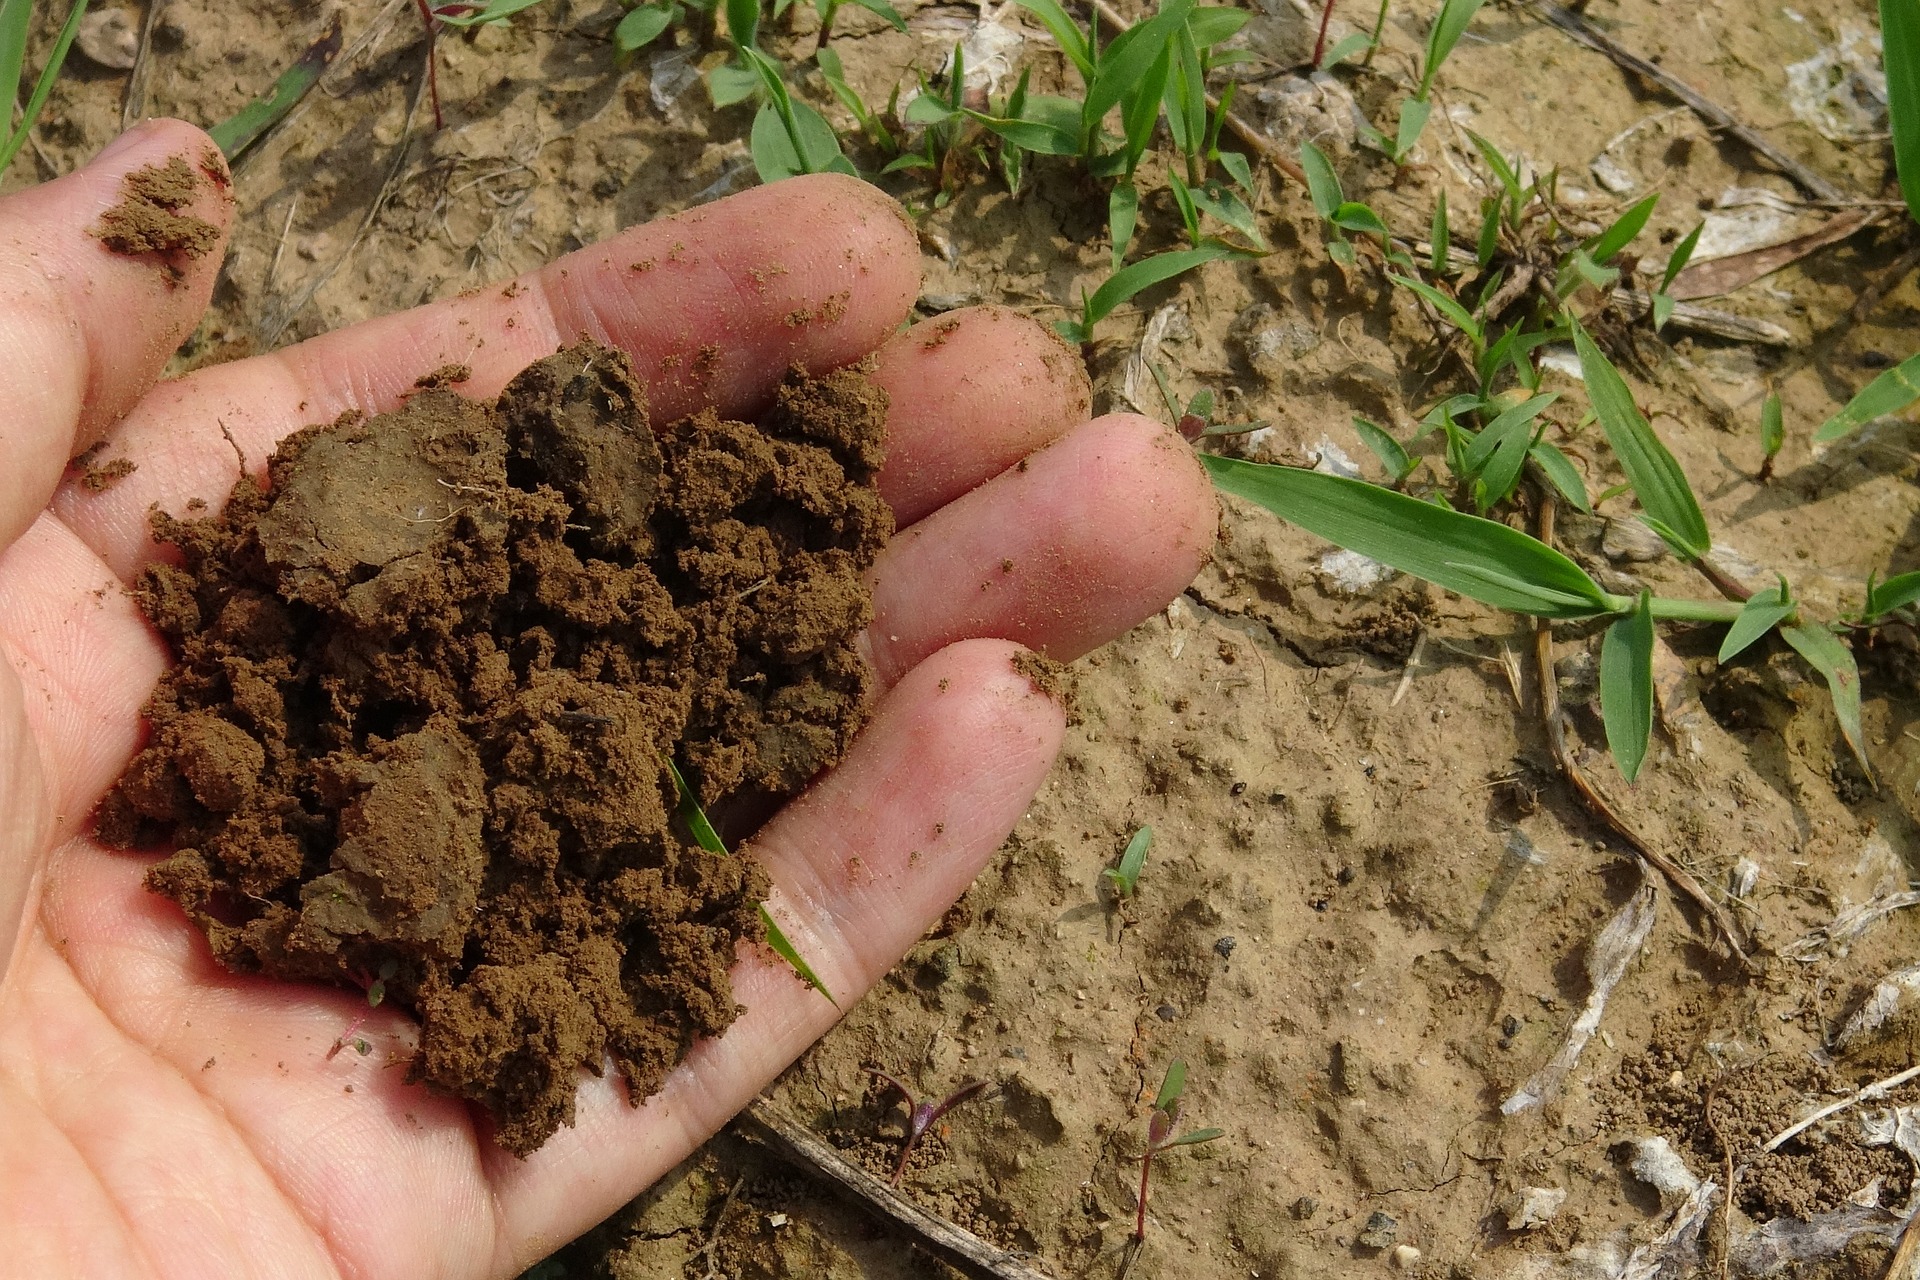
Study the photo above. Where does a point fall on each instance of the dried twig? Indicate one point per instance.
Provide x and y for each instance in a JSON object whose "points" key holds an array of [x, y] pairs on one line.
{"points": [[1704, 107], [1247, 134], [134, 106], [952, 1244], [1718, 276], [1878, 1089], [1676, 875]]}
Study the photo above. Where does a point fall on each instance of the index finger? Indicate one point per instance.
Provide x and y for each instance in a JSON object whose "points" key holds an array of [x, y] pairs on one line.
{"points": [[713, 305]]}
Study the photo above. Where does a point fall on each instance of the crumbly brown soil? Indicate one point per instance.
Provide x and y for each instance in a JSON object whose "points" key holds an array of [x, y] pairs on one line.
{"points": [[428, 684], [151, 217]]}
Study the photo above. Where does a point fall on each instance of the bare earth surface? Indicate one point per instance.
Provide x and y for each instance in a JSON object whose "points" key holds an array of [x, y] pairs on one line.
{"points": [[1367, 916]]}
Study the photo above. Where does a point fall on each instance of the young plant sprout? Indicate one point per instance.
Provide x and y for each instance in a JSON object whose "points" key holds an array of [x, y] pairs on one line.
{"points": [[1166, 1114], [16, 22], [694, 818], [922, 1116], [1125, 878]]}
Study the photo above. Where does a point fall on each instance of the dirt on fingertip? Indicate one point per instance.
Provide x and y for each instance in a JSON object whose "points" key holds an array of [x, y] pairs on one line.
{"points": [[428, 684], [151, 216]]}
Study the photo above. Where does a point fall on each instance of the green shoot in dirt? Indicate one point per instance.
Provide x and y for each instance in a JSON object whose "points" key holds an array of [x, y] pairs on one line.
{"points": [[922, 1116], [1900, 53], [1682, 254], [1125, 878], [1448, 26], [246, 126], [1773, 434], [16, 21], [1341, 214], [695, 819], [1160, 1137], [829, 9], [1123, 284]]}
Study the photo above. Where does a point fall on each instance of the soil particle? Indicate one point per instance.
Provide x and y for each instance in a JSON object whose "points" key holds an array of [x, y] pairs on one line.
{"points": [[1047, 677], [428, 682], [149, 217], [98, 477]]}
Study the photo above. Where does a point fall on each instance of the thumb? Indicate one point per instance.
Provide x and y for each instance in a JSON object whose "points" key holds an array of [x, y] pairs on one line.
{"points": [[102, 274]]}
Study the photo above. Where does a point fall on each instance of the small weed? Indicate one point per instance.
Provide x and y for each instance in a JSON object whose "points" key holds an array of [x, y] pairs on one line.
{"points": [[16, 21], [1125, 878], [1160, 1136], [922, 1116]]}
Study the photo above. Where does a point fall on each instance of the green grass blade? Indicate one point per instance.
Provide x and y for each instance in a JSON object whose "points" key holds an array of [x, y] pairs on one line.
{"points": [[1323, 184], [16, 22], [642, 26], [1414, 113], [1889, 393], [1900, 42], [1198, 1135], [1065, 32], [1482, 559], [1456, 314], [1126, 876], [1514, 422], [244, 127], [1144, 274], [880, 8], [1216, 24], [743, 22], [1123, 214], [1895, 593], [1140, 106], [44, 85], [1442, 36], [1392, 454], [1438, 238], [1763, 611], [1127, 60], [473, 15], [1656, 477], [1626, 687], [690, 813], [1348, 45], [1682, 254], [1828, 654], [1028, 135], [1561, 473], [1621, 234], [1773, 425]]}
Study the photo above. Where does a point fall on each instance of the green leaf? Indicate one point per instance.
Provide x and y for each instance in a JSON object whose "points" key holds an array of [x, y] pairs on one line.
{"points": [[1392, 454], [803, 142], [1127, 61], [777, 941], [1197, 1136], [1144, 274], [1681, 255], [1323, 184], [1442, 36], [1602, 248], [44, 85], [1413, 122], [1186, 95], [642, 27], [1065, 32], [492, 11], [1656, 477], [1222, 203], [880, 8], [1183, 200], [1341, 251], [1829, 655], [1773, 427], [1354, 216], [1889, 393], [1895, 593], [1479, 558], [1626, 686], [16, 22], [1662, 310], [1172, 1085], [241, 130], [1348, 45], [1513, 437], [1123, 214], [929, 109], [1900, 41], [730, 84], [1126, 876], [1215, 24], [1439, 238], [1028, 135], [1513, 423], [1502, 169], [1489, 242], [1561, 473], [1763, 611], [1140, 107], [1238, 169], [743, 22], [1456, 314]]}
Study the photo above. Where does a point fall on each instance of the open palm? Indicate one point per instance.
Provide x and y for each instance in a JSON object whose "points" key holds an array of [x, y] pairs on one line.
{"points": [[160, 1116]]}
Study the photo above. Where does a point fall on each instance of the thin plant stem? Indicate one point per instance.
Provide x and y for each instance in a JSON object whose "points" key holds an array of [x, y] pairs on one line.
{"points": [[1320, 41], [1379, 26], [1146, 1164], [1672, 610]]}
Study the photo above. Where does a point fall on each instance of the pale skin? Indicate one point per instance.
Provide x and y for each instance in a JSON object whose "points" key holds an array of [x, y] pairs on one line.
{"points": [[161, 1117]]}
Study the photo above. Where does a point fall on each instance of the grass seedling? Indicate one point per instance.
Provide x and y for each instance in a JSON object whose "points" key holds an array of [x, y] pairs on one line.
{"points": [[1123, 284], [1125, 877], [1160, 1136], [1448, 26], [828, 9], [694, 818], [16, 20], [1343, 215], [1773, 434], [1676, 263], [871, 124], [922, 1116], [246, 126]]}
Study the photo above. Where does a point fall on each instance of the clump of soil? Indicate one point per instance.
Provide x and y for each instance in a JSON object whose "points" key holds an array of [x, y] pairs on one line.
{"points": [[97, 476], [149, 217], [428, 683]]}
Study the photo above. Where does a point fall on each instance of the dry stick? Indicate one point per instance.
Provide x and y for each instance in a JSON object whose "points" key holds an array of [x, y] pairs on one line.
{"points": [[1879, 1088], [1906, 1258], [954, 1245], [135, 104], [1676, 875], [1241, 129], [1712, 112]]}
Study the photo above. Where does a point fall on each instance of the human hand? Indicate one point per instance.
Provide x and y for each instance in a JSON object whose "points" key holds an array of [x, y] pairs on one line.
{"points": [[161, 1116]]}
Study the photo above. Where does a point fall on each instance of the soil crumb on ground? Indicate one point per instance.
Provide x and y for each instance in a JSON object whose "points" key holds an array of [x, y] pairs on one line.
{"points": [[148, 218], [427, 686]]}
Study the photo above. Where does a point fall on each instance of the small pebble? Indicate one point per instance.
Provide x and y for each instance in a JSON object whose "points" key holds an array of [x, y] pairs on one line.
{"points": [[1404, 1257], [1223, 947], [1381, 1230], [108, 37], [1305, 1207], [1166, 1013]]}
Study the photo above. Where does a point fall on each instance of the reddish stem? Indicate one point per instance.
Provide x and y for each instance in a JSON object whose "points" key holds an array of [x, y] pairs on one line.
{"points": [[1140, 1214], [433, 59], [1320, 42]]}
